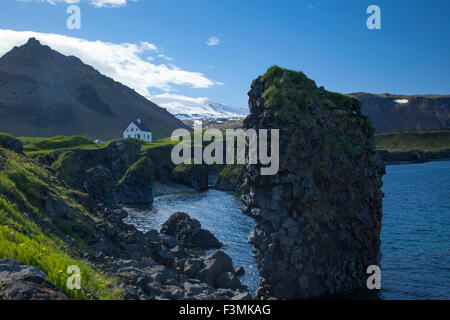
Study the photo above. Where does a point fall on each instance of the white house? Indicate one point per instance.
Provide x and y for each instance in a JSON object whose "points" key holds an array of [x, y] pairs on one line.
{"points": [[137, 129]]}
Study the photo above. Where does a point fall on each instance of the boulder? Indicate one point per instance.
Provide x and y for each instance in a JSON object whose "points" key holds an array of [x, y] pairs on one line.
{"points": [[22, 282], [189, 232], [214, 265], [228, 280], [239, 271], [195, 288]]}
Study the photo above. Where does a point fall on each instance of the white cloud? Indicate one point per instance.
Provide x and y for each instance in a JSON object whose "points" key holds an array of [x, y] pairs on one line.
{"points": [[110, 3], [96, 3], [401, 101], [128, 63], [213, 41], [163, 56]]}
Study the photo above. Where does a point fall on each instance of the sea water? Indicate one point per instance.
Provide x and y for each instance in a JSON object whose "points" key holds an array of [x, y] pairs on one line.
{"points": [[415, 234]]}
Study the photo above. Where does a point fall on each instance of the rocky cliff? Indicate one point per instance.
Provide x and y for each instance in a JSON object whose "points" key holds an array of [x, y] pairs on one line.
{"points": [[47, 226], [112, 174], [318, 220], [392, 112]]}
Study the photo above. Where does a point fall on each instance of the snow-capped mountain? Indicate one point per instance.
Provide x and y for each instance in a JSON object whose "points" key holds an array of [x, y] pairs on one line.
{"points": [[186, 108]]}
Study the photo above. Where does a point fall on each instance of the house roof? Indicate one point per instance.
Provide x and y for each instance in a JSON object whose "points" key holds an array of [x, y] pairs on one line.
{"points": [[141, 126]]}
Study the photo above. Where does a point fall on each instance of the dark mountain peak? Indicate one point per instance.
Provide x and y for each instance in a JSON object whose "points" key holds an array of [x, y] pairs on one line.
{"points": [[32, 50], [34, 45], [46, 93], [32, 42]]}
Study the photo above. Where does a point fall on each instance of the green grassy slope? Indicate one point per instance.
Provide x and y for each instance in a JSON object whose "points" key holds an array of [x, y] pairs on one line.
{"points": [[422, 141], [28, 235]]}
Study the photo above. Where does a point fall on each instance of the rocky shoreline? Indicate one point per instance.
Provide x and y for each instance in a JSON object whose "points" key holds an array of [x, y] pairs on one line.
{"points": [[151, 265], [80, 200], [415, 156]]}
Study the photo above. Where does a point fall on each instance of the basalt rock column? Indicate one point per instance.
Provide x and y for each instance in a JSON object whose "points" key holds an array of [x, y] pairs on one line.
{"points": [[318, 220]]}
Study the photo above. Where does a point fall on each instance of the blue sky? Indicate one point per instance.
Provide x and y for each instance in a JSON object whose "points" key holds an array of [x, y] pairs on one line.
{"points": [[328, 40]]}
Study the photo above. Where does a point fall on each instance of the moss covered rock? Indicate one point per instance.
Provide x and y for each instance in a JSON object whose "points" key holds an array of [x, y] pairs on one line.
{"points": [[192, 175], [9, 142], [231, 178], [318, 220], [136, 185], [99, 183]]}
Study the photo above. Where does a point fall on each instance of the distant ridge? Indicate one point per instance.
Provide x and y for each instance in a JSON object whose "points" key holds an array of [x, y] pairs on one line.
{"points": [[44, 93], [393, 112]]}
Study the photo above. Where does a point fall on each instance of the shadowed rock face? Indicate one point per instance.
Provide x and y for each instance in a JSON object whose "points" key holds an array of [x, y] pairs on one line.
{"points": [[417, 112], [20, 282], [318, 221]]}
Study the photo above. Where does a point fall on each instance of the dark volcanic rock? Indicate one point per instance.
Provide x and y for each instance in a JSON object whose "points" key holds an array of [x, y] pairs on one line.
{"points": [[231, 178], [118, 156], [192, 175], [228, 280], [100, 185], [318, 220], [115, 173], [213, 266], [136, 186], [189, 232], [20, 282]]}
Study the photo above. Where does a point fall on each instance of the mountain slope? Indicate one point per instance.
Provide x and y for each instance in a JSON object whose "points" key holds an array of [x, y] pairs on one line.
{"points": [[44, 93], [389, 112], [190, 109]]}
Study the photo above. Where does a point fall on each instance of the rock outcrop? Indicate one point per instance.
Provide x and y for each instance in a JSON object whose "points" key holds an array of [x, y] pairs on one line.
{"points": [[136, 186], [100, 185], [318, 220], [147, 265], [231, 178], [189, 232], [192, 175], [154, 265], [114, 174], [21, 282]]}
